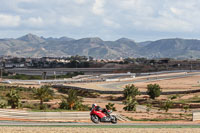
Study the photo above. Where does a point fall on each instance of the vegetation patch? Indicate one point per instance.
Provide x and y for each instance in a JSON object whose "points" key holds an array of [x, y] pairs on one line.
{"points": [[156, 119], [38, 77]]}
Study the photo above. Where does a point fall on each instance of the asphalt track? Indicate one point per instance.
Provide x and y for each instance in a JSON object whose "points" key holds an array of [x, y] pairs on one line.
{"points": [[119, 85], [21, 123], [92, 125]]}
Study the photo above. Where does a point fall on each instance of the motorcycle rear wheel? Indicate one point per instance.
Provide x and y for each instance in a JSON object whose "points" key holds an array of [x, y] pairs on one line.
{"points": [[95, 119]]}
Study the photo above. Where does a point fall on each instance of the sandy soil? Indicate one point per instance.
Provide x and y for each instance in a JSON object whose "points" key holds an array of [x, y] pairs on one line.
{"points": [[95, 130], [94, 86], [186, 83]]}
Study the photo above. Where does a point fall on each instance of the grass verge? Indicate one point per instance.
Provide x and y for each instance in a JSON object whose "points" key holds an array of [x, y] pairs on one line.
{"points": [[108, 126], [154, 119]]}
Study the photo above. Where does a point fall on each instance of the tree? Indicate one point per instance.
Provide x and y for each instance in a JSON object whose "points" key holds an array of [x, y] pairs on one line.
{"points": [[130, 104], [13, 99], [131, 91], [167, 105], [110, 106], [153, 90], [72, 102], [72, 99], [43, 93]]}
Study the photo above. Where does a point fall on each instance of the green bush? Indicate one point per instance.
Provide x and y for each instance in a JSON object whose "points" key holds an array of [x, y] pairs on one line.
{"points": [[24, 77], [82, 93], [186, 108], [82, 107], [167, 105], [148, 107], [64, 105], [30, 105], [173, 97], [153, 90], [130, 104], [131, 91], [44, 93], [110, 106], [73, 102], [3, 103], [13, 99]]}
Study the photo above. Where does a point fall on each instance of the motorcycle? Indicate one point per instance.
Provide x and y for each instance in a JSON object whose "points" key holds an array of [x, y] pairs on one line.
{"points": [[102, 115]]}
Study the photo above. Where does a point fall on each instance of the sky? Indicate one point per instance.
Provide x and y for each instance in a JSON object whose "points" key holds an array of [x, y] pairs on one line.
{"points": [[140, 20]]}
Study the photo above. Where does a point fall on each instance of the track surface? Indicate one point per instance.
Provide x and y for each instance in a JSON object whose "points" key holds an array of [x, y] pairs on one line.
{"points": [[120, 85], [17, 123]]}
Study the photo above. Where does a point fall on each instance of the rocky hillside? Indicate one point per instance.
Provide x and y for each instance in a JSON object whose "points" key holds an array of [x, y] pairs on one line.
{"points": [[33, 46]]}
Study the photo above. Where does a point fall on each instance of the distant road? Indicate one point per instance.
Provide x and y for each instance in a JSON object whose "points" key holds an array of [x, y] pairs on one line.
{"points": [[61, 71], [118, 85]]}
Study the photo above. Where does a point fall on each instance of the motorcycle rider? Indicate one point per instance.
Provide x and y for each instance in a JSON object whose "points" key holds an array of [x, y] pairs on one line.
{"points": [[97, 114], [98, 108]]}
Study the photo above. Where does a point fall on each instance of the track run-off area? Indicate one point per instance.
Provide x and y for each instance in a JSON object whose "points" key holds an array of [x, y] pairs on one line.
{"points": [[119, 85]]}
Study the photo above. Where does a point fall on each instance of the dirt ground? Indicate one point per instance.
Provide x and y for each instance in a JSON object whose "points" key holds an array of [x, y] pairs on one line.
{"points": [[186, 83], [167, 85], [95, 130], [155, 113]]}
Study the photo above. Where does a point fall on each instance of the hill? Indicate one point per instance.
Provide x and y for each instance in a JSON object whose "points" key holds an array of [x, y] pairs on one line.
{"points": [[34, 46]]}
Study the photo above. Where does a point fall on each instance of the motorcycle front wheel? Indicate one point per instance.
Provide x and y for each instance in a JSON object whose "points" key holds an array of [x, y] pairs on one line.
{"points": [[95, 119], [114, 119]]}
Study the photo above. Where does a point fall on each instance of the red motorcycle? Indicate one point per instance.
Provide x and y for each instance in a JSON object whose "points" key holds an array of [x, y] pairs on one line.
{"points": [[98, 114]]}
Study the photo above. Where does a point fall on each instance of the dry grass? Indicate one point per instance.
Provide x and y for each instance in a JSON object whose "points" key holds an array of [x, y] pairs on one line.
{"points": [[94, 130]]}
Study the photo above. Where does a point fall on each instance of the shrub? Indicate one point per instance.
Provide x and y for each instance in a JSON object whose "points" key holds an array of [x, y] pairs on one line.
{"points": [[82, 93], [186, 108], [153, 90], [148, 107], [63, 104], [29, 105], [131, 91], [167, 105], [173, 97], [13, 99], [130, 104], [3, 104], [43, 93], [82, 107], [110, 106], [73, 102]]}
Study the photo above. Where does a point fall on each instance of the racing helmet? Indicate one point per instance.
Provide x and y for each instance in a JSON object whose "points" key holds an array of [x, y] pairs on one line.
{"points": [[94, 105]]}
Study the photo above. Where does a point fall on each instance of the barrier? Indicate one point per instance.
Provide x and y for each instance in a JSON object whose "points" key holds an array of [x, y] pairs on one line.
{"points": [[196, 116], [44, 116]]}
